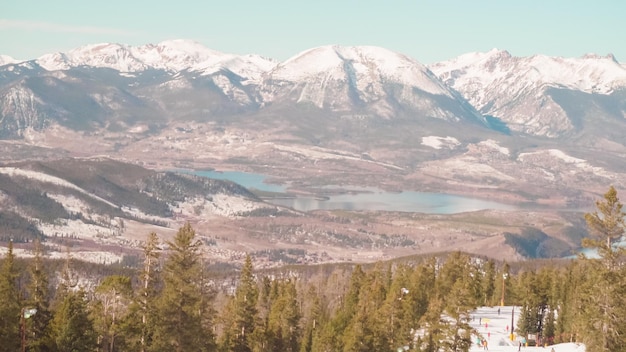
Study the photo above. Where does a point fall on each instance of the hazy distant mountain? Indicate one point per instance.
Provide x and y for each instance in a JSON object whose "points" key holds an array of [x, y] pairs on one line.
{"points": [[366, 80], [171, 56], [540, 95], [116, 87], [5, 60]]}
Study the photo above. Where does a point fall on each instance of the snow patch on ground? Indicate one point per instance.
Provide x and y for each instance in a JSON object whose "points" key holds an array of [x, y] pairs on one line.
{"points": [[70, 203], [467, 167], [495, 146], [440, 142], [220, 204], [567, 159], [78, 229], [492, 326], [317, 153], [88, 256], [40, 176]]}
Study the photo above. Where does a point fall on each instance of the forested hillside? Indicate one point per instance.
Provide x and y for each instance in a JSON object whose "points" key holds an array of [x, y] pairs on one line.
{"points": [[172, 302]]}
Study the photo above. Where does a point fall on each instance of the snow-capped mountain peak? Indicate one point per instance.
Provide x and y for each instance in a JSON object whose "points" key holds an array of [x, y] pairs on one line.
{"points": [[172, 55], [590, 73], [343, 79], [369, 63], [6, 60], [492, 81], [115, 56], [176, 55]]}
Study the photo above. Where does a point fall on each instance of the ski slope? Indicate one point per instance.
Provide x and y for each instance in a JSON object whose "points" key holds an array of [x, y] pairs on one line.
{"points": [[493, 327]]}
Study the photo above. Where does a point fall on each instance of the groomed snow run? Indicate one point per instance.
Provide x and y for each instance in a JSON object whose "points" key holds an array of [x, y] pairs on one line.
{"points": [[493, 327]]}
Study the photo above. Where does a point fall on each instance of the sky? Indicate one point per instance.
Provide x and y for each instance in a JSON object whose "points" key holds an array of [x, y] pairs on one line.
{"points": [[428, 31]]}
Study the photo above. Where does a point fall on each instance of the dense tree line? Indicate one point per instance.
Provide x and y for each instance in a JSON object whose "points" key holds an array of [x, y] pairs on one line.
{"points": [[172, 303]]}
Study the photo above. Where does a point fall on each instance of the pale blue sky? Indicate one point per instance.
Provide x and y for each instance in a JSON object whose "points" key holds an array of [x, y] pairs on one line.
{"points": [[428, 31]]}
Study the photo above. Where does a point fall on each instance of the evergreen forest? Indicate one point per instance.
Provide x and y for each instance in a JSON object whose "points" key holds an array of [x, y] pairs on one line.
{"points": [[172, 302]]}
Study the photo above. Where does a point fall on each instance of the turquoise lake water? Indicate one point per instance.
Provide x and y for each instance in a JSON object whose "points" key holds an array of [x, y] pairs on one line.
{"points": [[421, 202]]}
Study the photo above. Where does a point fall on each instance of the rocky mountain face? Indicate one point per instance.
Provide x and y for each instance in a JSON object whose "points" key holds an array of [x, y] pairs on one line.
{"points": [[115, 86], [540, 95], [363, 80]]}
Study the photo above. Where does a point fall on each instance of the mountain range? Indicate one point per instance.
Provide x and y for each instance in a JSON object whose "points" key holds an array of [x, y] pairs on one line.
{"points": [[538, 95], [367, 101], [537, 131]]}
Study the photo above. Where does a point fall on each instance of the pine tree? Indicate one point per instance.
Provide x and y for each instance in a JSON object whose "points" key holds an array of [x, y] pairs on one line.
{"points": [[146, 299], [608, 225], [182, 311], [398, 309], [368, 330], [37, 324], [489, 283], [283, 323], [334, 330], [603, 302], [433, 327], [72, 327], [504, 294], [240, 319], [424, 275], [112, 299], [313, 319], [10, 306]]}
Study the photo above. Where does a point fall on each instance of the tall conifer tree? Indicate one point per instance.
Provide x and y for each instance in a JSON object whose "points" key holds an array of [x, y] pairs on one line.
{"points": [[71, 326], [10, 304], [112, 300], [603, 305], [149, 277], [241, 315], [38, 298], [182, 311]]}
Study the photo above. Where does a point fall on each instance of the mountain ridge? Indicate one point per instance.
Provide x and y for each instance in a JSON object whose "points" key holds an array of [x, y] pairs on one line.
{"points": [[362, 117], [519, 90]]}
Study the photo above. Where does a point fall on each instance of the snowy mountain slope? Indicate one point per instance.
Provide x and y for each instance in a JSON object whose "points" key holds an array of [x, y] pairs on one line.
{"points": [[118, 85], [5, 60], [171, 56], [352, 78], [20, 109], [519, 90], [538, 95]]}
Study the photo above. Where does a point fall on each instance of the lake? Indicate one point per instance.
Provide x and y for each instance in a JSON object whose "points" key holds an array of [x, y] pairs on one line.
{"points": [[415, 202]]}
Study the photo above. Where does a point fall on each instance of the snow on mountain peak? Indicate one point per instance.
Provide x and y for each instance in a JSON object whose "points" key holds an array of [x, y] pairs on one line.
{"points": [[491, 81], [171, 55], [591, 73], [368, 63], [177, 55], [343, 79], [6, 60], [116, 56]]}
